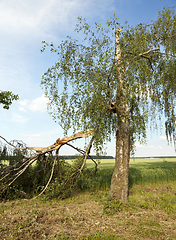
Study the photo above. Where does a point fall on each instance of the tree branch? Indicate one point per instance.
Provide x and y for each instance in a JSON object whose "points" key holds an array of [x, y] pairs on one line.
{"points": [[13, 172], [154, 50], [52, 171], [157, 49]]}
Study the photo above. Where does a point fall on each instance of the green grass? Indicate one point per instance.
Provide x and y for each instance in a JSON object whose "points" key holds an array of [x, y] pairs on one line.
{"points": [[89, 212], [141, 171], [149, 214], [159, 170]]}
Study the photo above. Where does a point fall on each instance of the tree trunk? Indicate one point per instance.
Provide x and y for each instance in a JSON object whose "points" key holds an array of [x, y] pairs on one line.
{"points": [[119, 181]]}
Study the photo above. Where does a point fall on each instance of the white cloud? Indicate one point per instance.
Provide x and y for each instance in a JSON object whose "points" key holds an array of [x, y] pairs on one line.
{"points": [[22, 109], [23, 103], [20, 16], [163, 138], [23, 26], [146, 146], [37, 105], [32, 135], [37, 17], [18, 118]]}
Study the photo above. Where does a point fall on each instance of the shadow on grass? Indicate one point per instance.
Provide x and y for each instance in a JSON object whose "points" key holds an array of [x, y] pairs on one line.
{"points": [[154, 172], [141, 173], [92, 181]]}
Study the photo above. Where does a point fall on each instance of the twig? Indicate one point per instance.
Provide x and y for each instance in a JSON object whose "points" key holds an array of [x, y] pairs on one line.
{"points": [[23, 148], [87, 153], [52, 170], [83, 152], [23, 170]]}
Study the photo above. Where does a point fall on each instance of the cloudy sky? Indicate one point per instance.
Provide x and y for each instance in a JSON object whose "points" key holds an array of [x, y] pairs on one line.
{"points": [[24, 24]]}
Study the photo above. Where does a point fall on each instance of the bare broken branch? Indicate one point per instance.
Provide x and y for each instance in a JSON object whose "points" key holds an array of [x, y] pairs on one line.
{"points": [[52, 170], [62, 141], [13, 172]]}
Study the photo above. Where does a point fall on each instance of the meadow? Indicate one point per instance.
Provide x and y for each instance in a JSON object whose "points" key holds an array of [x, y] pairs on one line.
{"points": [[141, 171], [89, 212]]}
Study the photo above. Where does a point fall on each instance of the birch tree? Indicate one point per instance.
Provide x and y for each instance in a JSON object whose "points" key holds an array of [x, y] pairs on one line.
{"points": [[113, 82]]}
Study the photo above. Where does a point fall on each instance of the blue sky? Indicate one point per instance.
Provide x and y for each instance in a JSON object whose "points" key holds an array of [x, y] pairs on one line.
{"points": [[23, 26]]}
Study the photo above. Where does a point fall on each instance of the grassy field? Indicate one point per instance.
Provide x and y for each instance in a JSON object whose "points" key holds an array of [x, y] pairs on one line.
{"points": [[89, 213], [106, 163], [141, 171]]}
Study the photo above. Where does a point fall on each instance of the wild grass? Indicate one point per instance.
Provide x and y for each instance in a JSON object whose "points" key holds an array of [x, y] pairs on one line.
{"points": [[89, 213], [92, 215], [141, 171]]}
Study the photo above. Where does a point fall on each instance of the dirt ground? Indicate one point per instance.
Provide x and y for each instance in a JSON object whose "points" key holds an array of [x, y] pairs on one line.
{"points": [[90, 216]]}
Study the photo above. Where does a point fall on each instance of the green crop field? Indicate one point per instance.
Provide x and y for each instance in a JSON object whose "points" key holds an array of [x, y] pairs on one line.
{"points": [[141, 171], [110, 162]]}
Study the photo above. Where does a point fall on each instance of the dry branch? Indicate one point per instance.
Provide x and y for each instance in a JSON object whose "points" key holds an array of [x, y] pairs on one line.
{"points": [[59, 142], [12, 173]]}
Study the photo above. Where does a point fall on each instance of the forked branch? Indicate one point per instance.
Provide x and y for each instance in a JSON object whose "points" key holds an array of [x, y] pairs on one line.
{"points": [[11, 173]]}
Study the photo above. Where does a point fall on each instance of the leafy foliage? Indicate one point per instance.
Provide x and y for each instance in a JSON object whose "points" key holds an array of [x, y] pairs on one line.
{"points": [[84, 82], [6, 98]]}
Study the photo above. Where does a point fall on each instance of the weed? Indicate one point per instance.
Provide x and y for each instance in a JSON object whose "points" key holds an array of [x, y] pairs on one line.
{"points": [[141, 172], [149, 214], [111, 206], [145, 206], [99, 236]]}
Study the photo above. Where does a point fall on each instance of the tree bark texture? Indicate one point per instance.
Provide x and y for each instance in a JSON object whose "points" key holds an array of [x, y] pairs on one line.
{"points": [[119, 181]]}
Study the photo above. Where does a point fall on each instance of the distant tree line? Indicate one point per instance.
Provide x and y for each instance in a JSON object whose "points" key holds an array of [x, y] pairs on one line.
{"points": [[93, 156], [10, 154], [156, 157]]}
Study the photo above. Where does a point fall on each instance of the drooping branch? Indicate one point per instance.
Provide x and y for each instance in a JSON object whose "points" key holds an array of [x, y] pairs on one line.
{"points": [[151, 49], [83, 152], [78, 171], [87, 153], [52, 171], [23, 170]]}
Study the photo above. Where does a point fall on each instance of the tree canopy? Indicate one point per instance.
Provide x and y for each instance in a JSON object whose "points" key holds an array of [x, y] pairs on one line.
{"points": [[6, 98], [83, 85]]}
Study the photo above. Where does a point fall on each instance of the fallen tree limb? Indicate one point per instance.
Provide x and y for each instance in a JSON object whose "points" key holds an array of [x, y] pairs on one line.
{"points": [[83, 152], [13, 172], [59, 142]]}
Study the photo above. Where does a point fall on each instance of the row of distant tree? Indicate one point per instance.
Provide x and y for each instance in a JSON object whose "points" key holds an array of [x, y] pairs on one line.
{"points": [[93, 156], [4, 152], [7, 153]]}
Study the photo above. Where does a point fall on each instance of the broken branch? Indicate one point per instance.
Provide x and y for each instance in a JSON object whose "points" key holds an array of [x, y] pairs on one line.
{"points": [[13, 172]]}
